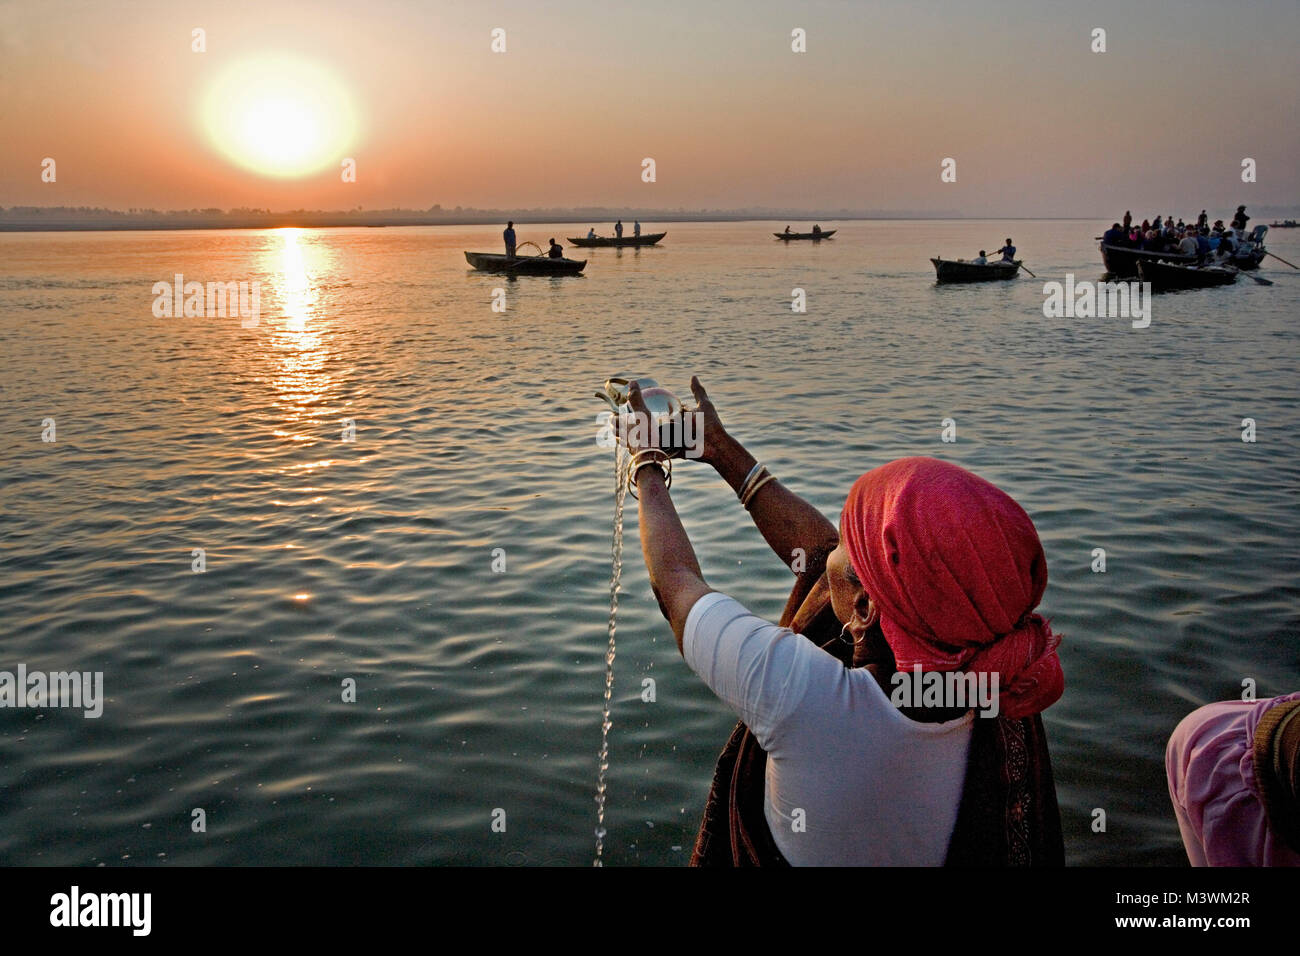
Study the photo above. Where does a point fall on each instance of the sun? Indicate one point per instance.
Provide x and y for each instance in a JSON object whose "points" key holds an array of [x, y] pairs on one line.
{"points": [[278, 115]]}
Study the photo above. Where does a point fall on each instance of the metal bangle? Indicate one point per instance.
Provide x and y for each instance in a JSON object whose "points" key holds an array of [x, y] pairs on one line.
{"points": [[753, 491], [753, 479], [664, 464], [753, 473]]}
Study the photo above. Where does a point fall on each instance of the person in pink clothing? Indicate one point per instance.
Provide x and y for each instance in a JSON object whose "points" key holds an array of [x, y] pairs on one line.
{"points": [[1234, 778]]}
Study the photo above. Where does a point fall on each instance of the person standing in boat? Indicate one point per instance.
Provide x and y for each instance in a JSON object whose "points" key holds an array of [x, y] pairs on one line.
{"points": [[556, 251], [787, 230], [1202, 221], [1240, 219], [817, 230], [1128, 220], [1008, 251], [618, 229], [509, 236], [636, 228]]}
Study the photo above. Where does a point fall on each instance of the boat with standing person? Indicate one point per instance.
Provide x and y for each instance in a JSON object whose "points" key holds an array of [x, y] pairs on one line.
{"points": [[959, 270], [617, 242], [525, 265]]}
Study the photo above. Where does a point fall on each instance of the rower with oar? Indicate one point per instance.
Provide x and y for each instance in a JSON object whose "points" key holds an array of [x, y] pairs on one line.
{"points": [[1008, 252]]}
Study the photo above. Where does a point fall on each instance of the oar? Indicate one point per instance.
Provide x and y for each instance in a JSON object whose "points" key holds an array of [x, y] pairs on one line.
{"points": [[1026, 268], [1251, 275], [1280, 259]]}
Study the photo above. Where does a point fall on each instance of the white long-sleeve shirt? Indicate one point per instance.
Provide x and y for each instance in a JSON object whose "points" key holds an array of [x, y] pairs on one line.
{"points": [[850, 780]]}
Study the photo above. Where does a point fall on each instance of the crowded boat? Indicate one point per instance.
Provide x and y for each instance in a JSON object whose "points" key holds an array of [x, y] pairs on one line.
{"points": [[1195, 242]]}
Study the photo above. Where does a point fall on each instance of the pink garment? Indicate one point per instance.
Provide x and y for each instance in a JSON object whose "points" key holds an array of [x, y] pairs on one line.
{"points": [[955, 568], [1210, 762]]}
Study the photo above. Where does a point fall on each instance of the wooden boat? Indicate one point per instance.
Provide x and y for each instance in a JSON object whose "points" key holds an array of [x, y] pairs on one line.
{"points": [[1166, 276], [824, 234], [1286, 224], [647, 239], [949, 270], [525, 265], [1122, 261]]}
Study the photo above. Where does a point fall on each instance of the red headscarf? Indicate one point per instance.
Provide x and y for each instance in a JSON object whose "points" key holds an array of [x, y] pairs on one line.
{"points": [[956, 569]]}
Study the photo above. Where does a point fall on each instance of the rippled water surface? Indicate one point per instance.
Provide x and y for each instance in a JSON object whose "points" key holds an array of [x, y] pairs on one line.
{"points": [[481, 690]]}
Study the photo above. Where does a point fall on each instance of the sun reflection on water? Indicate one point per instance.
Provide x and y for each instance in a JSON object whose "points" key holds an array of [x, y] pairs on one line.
{"points": [[300, 346], [295, 289]]}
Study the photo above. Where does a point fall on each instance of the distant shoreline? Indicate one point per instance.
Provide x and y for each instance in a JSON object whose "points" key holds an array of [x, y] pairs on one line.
{"points": [[329, 221]]}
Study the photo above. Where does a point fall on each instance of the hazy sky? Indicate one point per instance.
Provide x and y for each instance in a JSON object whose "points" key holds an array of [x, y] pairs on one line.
{"points": [[1038, 124]]}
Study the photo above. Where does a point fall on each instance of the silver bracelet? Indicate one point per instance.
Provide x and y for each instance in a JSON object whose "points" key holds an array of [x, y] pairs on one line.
{"points": [[753, 473], [755, 476], [641, 460], [753, 491]]}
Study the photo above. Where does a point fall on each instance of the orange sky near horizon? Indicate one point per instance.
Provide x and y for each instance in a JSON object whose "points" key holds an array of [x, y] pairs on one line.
{"points": [[1039, 124]]}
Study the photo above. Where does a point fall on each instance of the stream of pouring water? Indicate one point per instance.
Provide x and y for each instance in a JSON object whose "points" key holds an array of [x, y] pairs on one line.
{"points": [[621, 463]]}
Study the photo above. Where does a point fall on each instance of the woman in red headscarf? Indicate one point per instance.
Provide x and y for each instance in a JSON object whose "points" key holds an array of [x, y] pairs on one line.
{"points": [[892, 716]]}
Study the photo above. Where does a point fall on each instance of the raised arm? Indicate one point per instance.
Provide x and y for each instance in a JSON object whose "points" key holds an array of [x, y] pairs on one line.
{"points": [[674, 570], [675, 573]]}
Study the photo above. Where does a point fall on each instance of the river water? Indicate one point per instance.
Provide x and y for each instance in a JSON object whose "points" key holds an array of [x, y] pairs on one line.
{"points": [[452, 561]]}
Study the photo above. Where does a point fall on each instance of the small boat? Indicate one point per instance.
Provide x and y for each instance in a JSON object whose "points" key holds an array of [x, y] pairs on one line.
{"points": [[1166, 276], [1286, 224], [525, 265], [648, 239], [824, 234], [1122, 261], [950, 270]]}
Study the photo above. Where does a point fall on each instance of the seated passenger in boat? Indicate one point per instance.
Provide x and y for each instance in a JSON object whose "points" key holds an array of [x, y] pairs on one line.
{"points": [[934, 575], [591, 233], [981, 259], [1203, 243], [1114, 236], [1187, 245], [1224, 254], [556, 251]]}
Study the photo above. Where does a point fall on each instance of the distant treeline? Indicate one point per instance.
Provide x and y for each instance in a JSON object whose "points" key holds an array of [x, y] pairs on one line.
{"points": [[46, 218], [31, 218]]}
